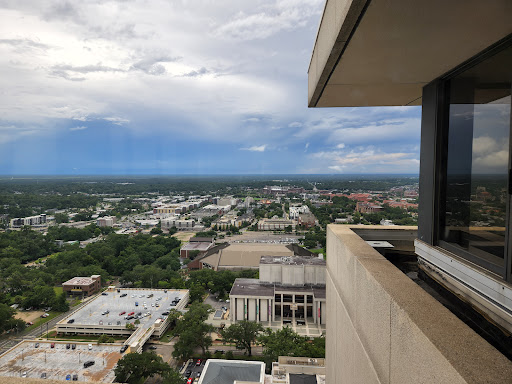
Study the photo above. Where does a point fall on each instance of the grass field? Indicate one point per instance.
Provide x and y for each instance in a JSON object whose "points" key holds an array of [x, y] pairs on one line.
{"points": [[58, 290], [42, 321]]}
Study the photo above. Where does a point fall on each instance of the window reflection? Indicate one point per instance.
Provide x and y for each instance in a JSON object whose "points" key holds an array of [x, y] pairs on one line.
{"points": [[476, 191]]}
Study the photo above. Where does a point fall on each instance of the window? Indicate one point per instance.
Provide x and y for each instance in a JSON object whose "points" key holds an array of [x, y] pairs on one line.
{"points": [[473, 218]]}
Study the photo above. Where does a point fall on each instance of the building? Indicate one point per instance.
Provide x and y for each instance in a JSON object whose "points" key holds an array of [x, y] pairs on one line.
{"points": [[275, 224], [82, 285], [199, 244], [239, 256], [218, 371], [32, 221], [223, 201], [454, 60], [290, 290], [296, 211], [106, 221], [307, 220], [171, 222], [110, 312], [298, 370], [368, 207]]}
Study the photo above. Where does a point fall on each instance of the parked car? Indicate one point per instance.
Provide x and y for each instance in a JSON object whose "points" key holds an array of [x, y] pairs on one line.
{"points": [[73, 347], [188, 372], [153, 347], [123, 348], [71, 321], [123, 295], [52, 345], [190, 380], [122, 313], [68, 346], [24, 374], [30, 323], [198, 362], [75, 377], [36, 345], [90, 346], [104, 294], [87, 364], [43, 375], [68, 377]]}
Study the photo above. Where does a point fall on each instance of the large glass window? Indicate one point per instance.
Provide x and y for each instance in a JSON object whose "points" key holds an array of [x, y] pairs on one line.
{"points": [[476, 188]]}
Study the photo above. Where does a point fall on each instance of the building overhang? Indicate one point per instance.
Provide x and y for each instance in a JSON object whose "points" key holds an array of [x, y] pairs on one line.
{"points": [[382, 52]]}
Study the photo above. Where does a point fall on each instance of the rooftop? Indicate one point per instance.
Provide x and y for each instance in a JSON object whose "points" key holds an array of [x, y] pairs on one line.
{"points": [[292, 260], [219, 371], [79, 281], [255, 287]]}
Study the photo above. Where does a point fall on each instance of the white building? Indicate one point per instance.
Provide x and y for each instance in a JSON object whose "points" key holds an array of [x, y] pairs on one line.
{"points": [[106, 221], [31, 220], [296, 211], [291, 290]]}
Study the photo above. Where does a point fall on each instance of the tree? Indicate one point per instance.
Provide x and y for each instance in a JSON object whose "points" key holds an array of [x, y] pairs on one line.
{"points": [[130, 326], [193, 331], [283, 342], [61, 303], [243, 334], [136, 366], [172, 377], [156, 231]]}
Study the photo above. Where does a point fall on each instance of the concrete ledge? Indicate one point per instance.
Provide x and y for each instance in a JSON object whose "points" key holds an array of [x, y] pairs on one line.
{"points": [[383, 328]]}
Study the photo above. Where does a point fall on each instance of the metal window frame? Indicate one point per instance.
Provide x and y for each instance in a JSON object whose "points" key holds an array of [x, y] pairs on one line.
{"points": [[433, 164]]}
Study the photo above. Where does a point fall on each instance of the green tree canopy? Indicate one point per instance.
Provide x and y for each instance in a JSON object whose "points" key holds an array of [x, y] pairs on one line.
{"points": [[136, 366], [243, 333]]}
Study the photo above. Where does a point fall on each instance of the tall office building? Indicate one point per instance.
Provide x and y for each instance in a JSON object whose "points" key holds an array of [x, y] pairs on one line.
{"points": [[455, 60]]}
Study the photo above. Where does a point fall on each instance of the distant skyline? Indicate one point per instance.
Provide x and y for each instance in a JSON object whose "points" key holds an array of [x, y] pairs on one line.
{"points": [[177, 87]]}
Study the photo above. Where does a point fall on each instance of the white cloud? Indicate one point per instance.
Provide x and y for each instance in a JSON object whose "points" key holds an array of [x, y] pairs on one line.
{"points": [[295, 124], [117, 120], [340, 146], [80, 128], [306, 147], [255, 148]]}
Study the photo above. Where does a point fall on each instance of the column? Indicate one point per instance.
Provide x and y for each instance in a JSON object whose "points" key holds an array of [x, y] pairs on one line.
{"points": [[293, 304]]}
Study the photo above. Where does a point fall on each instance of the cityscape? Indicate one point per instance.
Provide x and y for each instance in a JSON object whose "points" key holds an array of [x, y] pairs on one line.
{"points": [[268, 192]]}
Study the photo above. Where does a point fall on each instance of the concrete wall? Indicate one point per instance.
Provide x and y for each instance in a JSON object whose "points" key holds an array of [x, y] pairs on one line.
{"points": [[383, 328], [251, 309]]}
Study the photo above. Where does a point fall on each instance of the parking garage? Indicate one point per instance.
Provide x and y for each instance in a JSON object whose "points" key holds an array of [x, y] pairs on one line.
{"points": [[111, 311], [61, 361]]}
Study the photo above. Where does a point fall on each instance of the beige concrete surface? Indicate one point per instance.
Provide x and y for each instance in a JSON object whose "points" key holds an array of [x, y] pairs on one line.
{"points": [[383, 328], [397, 47]]}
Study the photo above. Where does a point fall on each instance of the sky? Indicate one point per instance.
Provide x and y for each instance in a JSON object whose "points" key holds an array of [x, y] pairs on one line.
{"points": [[180, 87]]}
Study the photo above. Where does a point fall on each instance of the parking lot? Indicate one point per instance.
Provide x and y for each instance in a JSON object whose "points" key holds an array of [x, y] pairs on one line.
{"points": [[26, 360], [113, 308]]}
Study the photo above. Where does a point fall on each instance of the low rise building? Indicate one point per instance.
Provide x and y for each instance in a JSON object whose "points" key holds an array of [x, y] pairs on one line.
{"points": [[275, 224], [218, 371], [82, 285], [31, 220], [307, 220], [298, 370], [296, 211], [290, 290], [200, 244], [106, 221], [364, 207], [178, 224], [239, 256]]}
